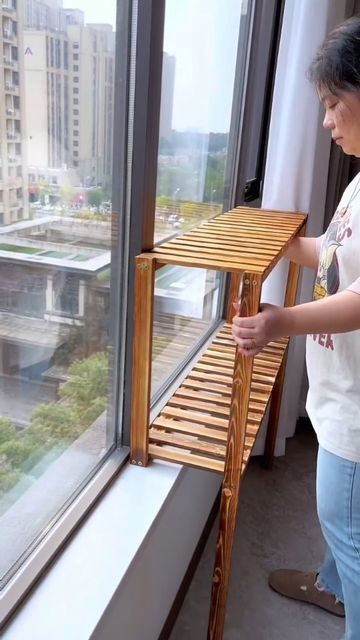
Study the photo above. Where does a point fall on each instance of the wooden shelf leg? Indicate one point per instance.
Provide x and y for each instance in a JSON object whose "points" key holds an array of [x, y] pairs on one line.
{"points": [[275, 406], [274, 414], [250, 300], [142, 356]]}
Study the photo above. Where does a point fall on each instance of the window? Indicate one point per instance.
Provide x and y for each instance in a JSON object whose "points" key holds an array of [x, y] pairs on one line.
{"points": [[76, 122], [76, 67], [76, 79], [76, 56], [66, 55], [75, 132], [66, 281], [195, 121], [59, 414]]}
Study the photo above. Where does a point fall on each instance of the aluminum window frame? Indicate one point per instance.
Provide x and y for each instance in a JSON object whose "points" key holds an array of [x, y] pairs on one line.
{"points": [[52, 539], [261, 22]]}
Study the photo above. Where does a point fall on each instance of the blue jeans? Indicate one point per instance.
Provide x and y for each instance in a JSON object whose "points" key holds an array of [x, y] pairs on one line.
{"points": [[338, 505]]}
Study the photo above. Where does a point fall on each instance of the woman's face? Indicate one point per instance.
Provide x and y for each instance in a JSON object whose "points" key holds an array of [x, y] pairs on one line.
{"points": [[342, 117]]}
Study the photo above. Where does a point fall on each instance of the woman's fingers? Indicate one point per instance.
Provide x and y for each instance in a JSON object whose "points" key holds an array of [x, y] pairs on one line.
{"points": [[245, 343]]}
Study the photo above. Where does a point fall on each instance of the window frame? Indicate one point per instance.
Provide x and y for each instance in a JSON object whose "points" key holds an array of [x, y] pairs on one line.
{"points": [[51, 540], [142, 22], [249, 62]]}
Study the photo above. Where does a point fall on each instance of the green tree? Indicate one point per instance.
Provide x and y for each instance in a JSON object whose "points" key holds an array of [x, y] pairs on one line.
{"points": [[95, 197], [87, 384], [53, 422], [67, 194], [44, 190], [7, 431], [214, 179]]}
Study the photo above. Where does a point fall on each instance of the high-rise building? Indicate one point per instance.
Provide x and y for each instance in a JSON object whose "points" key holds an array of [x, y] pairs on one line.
{"points": [[92, 59], [13, 170], [167, 95], [69, 81], [47, 97], [44, 15]]}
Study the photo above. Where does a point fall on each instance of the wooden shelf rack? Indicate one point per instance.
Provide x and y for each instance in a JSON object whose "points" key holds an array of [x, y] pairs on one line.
{"points": [[212, 420]]}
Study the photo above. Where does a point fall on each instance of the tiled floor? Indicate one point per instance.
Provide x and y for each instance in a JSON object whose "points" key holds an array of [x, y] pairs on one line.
{"points": [[277, 527]]}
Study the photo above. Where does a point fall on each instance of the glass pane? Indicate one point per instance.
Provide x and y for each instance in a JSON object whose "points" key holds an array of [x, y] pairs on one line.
{"points": [[55, 260], [185, 306], [200, 50]]}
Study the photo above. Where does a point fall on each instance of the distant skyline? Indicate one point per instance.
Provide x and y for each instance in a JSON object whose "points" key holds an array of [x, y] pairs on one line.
{"points": [[103, 12], [203, 39]]}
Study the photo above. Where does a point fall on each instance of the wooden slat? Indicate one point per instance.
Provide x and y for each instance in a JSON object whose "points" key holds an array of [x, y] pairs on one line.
{"points": [[233, 242], [192, 444], [199, 410], [190, 428], [189, 459], [194, 416]]}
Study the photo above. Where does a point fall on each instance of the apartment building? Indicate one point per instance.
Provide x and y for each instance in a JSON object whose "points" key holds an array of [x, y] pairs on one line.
{"points": [[69, 82], [13, 170], [92, 60], [47, 97]]}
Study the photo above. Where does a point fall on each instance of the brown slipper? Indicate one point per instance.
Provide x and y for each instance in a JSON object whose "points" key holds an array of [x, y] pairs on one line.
{"points": [[299, 585]]}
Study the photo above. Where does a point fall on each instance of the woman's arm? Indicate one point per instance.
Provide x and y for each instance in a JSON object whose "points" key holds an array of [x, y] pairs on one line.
{"points": [[304, 251], [338, 313]]}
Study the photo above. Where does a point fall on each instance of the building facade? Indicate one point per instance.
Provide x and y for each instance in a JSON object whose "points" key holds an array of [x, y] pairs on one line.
{"points": [[69, 83], [13, 170]]}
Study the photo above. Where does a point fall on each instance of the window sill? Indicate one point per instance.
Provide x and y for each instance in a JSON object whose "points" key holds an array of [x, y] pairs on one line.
{"points": [[70, 600]]}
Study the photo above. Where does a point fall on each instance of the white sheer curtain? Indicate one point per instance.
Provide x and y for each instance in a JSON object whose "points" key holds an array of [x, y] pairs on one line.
{"points": [[297, 162]]}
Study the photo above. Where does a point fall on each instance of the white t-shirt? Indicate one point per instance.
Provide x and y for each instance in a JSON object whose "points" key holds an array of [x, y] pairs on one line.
{"points": [[333, 360]]}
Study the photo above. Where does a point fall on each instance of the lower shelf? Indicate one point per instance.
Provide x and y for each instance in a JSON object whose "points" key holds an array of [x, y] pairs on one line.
{"points": [[192, 428]]}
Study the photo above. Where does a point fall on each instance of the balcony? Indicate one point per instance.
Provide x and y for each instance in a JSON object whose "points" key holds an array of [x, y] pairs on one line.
{"points": [[11, 135], [8, 62], [8, 35], [14, 182], [8, 8], [11, 87]]}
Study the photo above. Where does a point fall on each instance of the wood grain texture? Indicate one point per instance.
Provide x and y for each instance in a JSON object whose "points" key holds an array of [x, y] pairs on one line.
{"points": [[142, 347], [243, 239], [212, 420], [200, 408], [250, 300]]}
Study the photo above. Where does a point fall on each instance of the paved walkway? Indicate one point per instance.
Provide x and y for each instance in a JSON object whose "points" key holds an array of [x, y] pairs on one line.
{"points": [[19, 398]]}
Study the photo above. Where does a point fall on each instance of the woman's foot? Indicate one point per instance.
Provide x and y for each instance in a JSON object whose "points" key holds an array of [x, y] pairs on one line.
{"points": [[300, 585]]}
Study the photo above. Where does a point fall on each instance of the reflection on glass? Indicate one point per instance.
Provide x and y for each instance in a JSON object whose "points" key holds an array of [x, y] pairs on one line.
{"points": [[185, 308], [55, 261], [200, 48]]}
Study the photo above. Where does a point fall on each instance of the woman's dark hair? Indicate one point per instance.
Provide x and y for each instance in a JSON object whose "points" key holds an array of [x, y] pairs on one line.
{"points": [[336, 66]]}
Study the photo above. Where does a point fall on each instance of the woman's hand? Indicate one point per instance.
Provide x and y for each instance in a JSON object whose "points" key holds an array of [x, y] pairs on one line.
{"points": [[251, 334]]}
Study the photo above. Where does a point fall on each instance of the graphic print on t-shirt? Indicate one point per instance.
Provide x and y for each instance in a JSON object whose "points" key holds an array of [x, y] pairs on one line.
{"points": [[327, 279]]}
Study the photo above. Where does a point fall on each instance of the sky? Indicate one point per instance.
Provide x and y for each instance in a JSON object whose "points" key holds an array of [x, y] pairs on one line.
{"points": [[203, 37]]}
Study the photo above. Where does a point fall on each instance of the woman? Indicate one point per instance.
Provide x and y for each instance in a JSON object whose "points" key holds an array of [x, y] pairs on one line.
{"points": [[332, 324]]}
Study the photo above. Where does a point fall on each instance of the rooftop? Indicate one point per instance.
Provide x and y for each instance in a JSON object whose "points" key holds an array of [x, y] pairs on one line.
{"points": [[32, 331], [56, 241]]}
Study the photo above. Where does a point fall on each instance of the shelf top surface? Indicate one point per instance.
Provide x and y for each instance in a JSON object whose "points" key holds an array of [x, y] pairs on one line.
{"points": [[243, 239]]}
